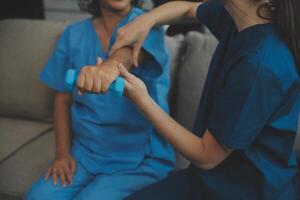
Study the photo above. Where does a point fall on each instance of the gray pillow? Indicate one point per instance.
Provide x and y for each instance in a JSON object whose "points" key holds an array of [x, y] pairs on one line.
{"points": [[176, 46], [192, 75], [190, 81], [25, 48]]}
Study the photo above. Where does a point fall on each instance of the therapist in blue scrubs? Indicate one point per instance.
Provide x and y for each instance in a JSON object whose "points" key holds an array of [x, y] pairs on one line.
{"points": [[105, 148], [242, 146]]}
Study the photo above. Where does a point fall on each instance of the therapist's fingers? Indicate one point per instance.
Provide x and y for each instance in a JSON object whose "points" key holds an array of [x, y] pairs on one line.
{"points": [[136, 51], [120, 42], [125, 73]]}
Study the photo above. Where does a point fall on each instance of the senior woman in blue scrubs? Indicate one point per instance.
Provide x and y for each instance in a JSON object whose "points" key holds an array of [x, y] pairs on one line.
{"points": [[242, 146], [105, 148]]}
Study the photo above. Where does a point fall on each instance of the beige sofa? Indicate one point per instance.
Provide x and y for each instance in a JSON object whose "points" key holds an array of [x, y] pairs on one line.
{"points": [[26, 129]]}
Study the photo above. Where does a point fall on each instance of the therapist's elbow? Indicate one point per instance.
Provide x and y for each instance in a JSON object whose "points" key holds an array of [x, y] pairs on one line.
{"points": [[210, 162], [206, 166]]}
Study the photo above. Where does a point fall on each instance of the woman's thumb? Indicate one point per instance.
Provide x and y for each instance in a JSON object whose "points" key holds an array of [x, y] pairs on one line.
{"points": [[136, 52]]}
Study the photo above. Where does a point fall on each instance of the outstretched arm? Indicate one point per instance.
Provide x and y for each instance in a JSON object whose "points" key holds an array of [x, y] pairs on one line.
{"points": [[204, 152], [134, 33], [127, 47], [172, 12]]}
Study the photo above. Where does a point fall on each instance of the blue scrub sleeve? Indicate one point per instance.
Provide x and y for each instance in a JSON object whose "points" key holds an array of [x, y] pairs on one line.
{"points": [[53, 74], [244, 105], [155, 45], [214, 16]]}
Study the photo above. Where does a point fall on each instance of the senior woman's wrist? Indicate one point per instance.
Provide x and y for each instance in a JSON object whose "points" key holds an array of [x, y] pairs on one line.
{"points": [[113, 66]]}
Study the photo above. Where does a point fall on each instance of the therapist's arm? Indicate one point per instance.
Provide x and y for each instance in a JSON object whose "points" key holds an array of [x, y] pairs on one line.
{"points": [[134, 33], [204, 152], [172, 12]]}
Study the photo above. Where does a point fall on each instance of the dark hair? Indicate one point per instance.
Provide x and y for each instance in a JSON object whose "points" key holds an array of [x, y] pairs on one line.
{"points": [[286, 18], [93, 6]]}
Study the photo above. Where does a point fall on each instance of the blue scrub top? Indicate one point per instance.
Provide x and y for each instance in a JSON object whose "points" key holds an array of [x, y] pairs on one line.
{"points": [[251, 104], [109, 133]]}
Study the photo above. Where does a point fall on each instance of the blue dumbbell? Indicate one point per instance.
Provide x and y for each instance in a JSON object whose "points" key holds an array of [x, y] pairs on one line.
{"points": [[117, 87]]}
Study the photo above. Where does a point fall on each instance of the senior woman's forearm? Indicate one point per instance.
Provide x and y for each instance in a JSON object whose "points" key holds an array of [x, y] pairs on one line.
{"points": [[124, 56], [62, 128]]}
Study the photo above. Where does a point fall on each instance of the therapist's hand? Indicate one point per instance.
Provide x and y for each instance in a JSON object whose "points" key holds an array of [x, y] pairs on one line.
{"points": [[135, 88], [133, 34], [96, 79]]}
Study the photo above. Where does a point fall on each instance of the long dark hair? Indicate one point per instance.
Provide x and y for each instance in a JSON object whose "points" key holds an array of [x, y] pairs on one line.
{"points": [[286, 18], [93, 6]]}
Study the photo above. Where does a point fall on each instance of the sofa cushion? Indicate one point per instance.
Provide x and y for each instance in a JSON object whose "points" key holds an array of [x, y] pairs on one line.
{"points": [[20, 171], [15, 133], [176, 46], [25, 48], [8, 197], [191, 79], [192, 75]]}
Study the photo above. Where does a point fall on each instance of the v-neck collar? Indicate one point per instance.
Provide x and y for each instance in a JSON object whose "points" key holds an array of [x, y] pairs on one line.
{"points": [[99, 46]]}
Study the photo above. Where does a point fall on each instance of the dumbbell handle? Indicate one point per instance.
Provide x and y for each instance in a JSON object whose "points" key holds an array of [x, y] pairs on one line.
{"points": [[116, 87]]}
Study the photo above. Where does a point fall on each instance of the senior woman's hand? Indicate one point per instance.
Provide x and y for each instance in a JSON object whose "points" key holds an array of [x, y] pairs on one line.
{"points": [[96, 79], [133, 34]]}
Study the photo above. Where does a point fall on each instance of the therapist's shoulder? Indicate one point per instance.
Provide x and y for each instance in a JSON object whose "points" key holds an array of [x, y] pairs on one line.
{"points": [[272, 57], [278, 58]]}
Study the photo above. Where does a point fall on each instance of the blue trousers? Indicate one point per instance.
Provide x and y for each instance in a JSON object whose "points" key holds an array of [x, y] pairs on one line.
{"points": [[180, 185], [89, 186]]}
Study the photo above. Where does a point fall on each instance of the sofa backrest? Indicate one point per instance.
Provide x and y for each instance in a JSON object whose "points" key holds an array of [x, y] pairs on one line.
{"points": [[190, 79], [25, 48]]}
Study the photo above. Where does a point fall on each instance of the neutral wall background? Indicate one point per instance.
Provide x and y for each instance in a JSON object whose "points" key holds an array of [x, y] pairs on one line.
{"points": [[57, 10]]}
